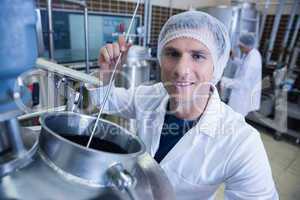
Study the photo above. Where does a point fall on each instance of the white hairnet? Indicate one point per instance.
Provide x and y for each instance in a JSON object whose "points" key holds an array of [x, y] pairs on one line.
{"points": [[247, 40], [204, 28]]}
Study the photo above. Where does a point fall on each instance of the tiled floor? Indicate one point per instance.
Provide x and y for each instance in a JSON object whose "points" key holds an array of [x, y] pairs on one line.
{"points": [[284, 158]]}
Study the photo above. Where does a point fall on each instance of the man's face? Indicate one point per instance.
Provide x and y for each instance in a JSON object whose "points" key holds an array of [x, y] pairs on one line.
{"points": [[186, 68]]}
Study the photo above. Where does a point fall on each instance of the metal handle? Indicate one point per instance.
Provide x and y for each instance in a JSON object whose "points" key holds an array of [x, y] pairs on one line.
{"points": [[122, 179]]}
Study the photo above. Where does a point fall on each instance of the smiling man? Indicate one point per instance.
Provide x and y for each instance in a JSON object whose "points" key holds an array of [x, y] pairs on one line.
{"points": [[186, 72], [198, 141]]}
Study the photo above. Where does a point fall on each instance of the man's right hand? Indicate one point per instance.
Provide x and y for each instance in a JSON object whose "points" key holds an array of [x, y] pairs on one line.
{"points": [[108, 57]]}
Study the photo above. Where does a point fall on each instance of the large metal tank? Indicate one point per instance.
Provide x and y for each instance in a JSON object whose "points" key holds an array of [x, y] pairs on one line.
{"points": [[240, 17], [136, 70], [115, 166], [53, 162]]}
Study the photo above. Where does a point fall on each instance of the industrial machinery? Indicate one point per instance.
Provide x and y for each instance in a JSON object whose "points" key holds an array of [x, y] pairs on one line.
{"points": [[280, 105], [279, 76], [114, 167], [239, 18], [18, 52], [278, 111], [136, 70], [52, 161]]}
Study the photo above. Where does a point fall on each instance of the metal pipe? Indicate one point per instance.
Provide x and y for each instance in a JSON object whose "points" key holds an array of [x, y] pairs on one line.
{"points": [[257, 30], [263, 21], [147, 22], [41, 112], [86, 37], [66, 71], [289, 27], [275, 28], [171, 8], [52, 100], [294, 60], [50, 25], [14, 136], [4, 146], [293, 41]]}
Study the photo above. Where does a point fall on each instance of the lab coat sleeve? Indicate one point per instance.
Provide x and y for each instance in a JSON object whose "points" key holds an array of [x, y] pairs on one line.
{"points": [[120, 100], [237, 61], [244, 79], [227, 82], [249, 172]]}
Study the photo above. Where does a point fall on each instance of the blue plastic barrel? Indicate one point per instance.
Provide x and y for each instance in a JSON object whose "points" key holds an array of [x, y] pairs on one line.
{"points": [[18, 44]]}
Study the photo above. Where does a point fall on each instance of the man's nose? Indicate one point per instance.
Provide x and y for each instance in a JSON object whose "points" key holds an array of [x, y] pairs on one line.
{"points": [[183, 66]]}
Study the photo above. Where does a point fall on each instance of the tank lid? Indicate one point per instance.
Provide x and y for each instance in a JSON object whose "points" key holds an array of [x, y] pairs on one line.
{"points": [[138, 53]]}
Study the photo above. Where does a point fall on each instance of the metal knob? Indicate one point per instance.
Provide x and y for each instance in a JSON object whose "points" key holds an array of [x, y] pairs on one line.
{"points": [[122, 179]]}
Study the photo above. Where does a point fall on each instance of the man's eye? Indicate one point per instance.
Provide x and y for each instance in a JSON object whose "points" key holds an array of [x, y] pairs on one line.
{"points": [[198, 57]]}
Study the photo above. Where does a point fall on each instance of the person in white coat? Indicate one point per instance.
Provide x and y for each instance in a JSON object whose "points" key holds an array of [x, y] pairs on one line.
{"points": [[246, 85], [199, 141]]}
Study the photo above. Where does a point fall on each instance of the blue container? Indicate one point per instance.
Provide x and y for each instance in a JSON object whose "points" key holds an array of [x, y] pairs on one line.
{"points": [[18, 45]]}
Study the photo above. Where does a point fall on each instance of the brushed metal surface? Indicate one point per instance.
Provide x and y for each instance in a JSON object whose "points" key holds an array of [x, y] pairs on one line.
{"points": [[64, 175]]}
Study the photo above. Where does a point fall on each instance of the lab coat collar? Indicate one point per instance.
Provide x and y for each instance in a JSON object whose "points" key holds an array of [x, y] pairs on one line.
{"points": [[210, 121]]}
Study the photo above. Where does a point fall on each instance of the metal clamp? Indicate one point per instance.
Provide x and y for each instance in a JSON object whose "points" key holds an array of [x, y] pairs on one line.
{"points": [[76, 102], [60, 81], [122, 179]]}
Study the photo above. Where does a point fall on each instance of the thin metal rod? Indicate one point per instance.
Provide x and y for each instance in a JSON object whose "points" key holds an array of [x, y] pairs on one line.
{"points": [[112, 77]]}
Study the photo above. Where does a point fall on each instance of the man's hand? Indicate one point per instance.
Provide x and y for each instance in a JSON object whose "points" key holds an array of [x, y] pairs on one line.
{"points": [[108, 57]]}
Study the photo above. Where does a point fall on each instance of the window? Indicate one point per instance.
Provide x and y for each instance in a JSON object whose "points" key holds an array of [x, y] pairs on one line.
{"points": [[69, 33]]}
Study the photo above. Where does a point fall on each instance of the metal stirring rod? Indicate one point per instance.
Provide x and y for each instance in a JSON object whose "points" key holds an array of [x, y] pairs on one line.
{"points": [[112, 77]]}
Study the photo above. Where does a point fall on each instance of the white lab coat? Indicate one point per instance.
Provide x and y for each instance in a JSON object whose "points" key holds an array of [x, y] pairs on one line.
{"points": [[221, 148], [246, 84]]}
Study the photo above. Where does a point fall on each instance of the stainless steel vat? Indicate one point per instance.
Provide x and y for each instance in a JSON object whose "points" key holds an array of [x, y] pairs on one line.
{"points": [[62, 169], [84, 162], [136, 70], [239, 18]]}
